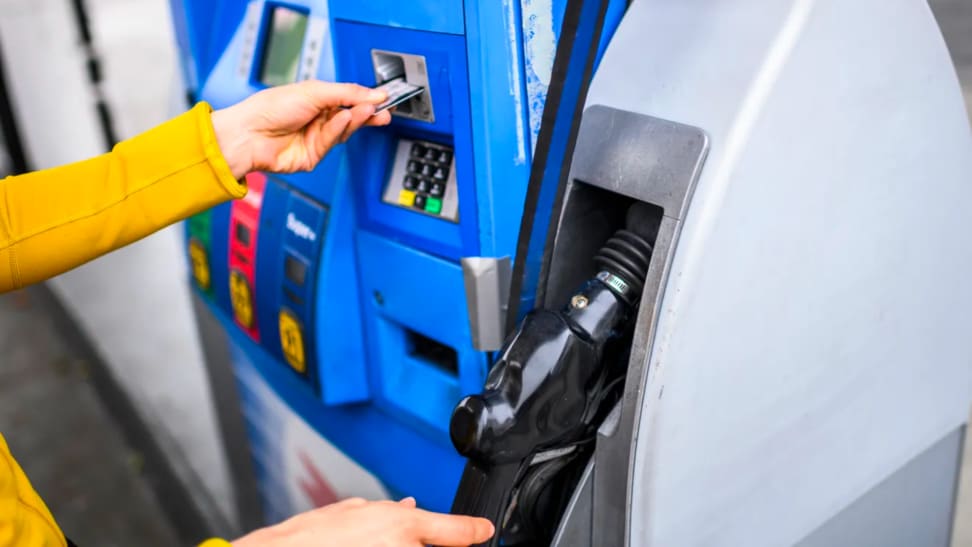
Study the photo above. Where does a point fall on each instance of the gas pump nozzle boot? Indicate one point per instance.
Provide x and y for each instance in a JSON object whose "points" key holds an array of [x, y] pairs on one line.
{"points": [[538, 393], [546, 388]]}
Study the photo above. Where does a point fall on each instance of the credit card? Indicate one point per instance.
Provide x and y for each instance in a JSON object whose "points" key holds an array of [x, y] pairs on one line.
{"points": [[398, 91]]}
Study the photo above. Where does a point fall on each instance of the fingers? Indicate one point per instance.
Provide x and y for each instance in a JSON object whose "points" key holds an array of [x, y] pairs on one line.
{"points": [[326, 94], [360, 115], [379, 119], [348, 503], [408, 502], [332, 131], [453, 530]]}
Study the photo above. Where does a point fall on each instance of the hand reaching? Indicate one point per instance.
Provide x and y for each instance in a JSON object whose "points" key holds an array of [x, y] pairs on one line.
{"points": [[291, 128], [371, 524]]}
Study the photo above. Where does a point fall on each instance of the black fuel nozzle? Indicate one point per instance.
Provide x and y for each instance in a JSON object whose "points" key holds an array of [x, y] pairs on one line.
{"points": [[544, 391]]}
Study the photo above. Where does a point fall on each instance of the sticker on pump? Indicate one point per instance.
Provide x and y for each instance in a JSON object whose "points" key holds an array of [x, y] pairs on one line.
{"points": [[309, 471]]}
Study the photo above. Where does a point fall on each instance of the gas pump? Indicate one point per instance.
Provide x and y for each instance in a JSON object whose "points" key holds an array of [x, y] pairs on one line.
{"points": [[621, 275], [341, 294]]}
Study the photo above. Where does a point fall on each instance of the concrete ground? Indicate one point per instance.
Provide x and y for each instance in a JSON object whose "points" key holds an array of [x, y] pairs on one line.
{"points": [[72, 446], [58, 427]]}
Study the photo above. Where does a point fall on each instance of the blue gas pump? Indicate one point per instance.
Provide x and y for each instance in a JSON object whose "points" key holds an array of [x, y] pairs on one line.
{"points": [[341, 293]]}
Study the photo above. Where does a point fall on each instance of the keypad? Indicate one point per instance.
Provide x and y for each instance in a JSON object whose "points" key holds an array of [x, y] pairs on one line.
{"points": [[424, 184]]}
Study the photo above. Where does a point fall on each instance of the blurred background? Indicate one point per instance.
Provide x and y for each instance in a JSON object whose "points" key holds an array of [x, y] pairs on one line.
{"points": [[103, 394]]}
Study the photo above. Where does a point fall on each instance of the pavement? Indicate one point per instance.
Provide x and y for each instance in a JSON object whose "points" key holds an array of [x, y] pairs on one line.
{"points": [[58, 426]]}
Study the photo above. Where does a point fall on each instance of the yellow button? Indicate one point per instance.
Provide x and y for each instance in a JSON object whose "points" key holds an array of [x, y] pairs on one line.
{"points": [[292, 341], [406, 198], [200, 264], [241, 299]]}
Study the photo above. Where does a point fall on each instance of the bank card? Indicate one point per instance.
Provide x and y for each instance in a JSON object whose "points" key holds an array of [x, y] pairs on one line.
{"points": [[398, 91]]}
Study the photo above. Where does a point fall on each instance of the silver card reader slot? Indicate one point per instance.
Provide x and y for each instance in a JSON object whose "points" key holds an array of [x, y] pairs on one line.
{"points": [[390, 65]]}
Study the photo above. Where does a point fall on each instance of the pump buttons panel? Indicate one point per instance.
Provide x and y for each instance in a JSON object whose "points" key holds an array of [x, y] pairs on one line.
{"points": [[304, 221], [423, 179], [244, 234]]}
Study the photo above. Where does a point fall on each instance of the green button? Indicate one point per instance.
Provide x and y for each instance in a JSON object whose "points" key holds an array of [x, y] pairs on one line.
{"points": [[433, 205]]}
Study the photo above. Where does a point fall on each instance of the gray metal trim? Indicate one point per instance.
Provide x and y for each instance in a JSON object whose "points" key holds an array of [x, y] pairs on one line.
{"points": [[575, 526], [914, 506], [416, 73], [659, 162], [649, 159], [487, 282]]}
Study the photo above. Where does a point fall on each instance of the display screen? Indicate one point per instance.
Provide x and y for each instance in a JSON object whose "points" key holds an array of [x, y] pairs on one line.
{"points": [[242, 234], [285, 39], [295, 270]]}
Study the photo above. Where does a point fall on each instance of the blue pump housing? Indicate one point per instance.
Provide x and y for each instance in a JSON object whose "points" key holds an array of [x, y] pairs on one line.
{"points": [[374, 287]]}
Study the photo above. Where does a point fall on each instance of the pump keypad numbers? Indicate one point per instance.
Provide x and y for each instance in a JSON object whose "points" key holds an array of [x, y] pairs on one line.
{"points": [[423, 179]]}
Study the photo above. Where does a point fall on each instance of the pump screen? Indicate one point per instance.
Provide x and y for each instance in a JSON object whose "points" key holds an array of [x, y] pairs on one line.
{"points": [[295, 270], [243, 235], [281, 57]]}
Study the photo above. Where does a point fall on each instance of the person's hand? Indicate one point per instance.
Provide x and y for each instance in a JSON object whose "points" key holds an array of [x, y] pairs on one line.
{"points": [[360, 523], [290, 128]]}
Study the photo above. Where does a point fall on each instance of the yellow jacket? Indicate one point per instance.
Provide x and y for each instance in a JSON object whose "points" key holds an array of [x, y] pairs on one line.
{"points": [[54, 220]]}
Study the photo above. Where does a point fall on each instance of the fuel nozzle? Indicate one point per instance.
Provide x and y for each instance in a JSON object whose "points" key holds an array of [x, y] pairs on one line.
{"points": [[545, 390], [547, 365]]}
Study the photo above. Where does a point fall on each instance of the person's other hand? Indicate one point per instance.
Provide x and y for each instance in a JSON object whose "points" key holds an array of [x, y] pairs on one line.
{"points": [[291, 128], [371, 524]]}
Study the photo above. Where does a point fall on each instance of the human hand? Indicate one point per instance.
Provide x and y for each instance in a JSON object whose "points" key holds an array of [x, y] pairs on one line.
{"points": [[371, 524], [291, 128]]}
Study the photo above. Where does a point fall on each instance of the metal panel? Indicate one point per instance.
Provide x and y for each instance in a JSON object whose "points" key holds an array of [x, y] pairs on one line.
{"points": [[789, 372], [576, 526], [911, 507], [650, 160], [642, 157], [487, 282]]}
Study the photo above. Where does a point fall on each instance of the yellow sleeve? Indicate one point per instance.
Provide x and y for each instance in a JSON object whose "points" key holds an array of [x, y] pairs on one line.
{"points": [[215, 542], [24, 519], [57, 219]]}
